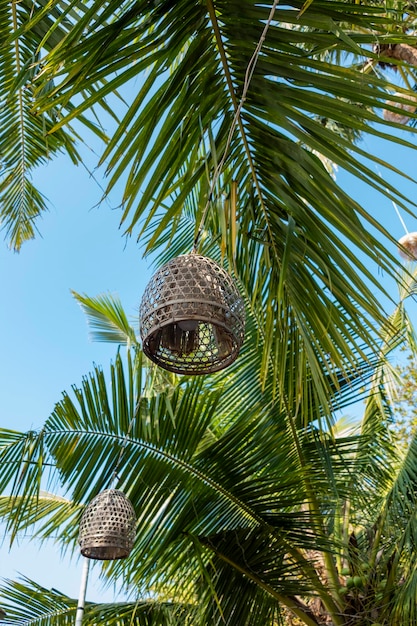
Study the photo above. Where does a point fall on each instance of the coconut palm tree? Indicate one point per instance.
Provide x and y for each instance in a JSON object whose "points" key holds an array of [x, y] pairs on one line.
{"points": [[248, 512], [236, 113], [251, 505]]}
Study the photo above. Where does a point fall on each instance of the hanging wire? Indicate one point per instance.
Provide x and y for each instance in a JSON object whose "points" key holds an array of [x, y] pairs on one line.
{"points": [[394, 204], [248, 77], [114, 476], [400, 218]]}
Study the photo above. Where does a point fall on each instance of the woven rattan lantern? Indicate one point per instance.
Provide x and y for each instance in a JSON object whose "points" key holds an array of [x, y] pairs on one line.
{"points": [[408, 247], [400, 116], [107, 527], [192, 317]]}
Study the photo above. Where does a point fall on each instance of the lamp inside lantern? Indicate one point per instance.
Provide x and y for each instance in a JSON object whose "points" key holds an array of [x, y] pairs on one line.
{"points": [[192, 316]]}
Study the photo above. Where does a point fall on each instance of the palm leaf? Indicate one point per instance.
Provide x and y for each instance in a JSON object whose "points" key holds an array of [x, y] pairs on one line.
{"points": [[187, 486], [291, 216], [28, 602], [107, 319], [25, 142]]}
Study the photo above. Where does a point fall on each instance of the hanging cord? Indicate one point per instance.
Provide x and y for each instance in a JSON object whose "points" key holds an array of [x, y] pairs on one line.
{"points": [[378, 171], [400, 218], [248, 77], [114, 476]]}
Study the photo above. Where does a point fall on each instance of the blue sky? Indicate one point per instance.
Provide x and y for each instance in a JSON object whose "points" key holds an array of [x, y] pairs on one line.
{"points": [[44, 342]]}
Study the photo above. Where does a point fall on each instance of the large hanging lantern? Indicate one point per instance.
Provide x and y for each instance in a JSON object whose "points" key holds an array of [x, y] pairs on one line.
{"points": [[107, 527], [408, 247], [192, 317]]}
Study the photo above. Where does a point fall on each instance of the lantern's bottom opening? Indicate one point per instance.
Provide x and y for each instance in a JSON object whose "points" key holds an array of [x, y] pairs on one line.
{"points": [[192, 347], [105, 553]]}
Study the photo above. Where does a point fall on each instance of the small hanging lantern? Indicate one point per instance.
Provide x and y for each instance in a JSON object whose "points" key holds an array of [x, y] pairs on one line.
{"points": [[400, 116], [192, 318], [408, 249], [107, 527]]}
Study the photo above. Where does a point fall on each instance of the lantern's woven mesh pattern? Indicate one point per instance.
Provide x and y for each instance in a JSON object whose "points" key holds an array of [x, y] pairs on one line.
{"points": [[192, 318], [409, 242], [107, 527]]}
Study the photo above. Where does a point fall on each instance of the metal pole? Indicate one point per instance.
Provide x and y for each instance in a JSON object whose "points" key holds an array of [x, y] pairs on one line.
{"points": [[83, 589]]}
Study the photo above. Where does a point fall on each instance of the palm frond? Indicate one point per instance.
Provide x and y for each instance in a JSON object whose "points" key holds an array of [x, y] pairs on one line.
{"points": [[107, 319], [290, 215], [25, 142], [25, 601], [190, 475]]}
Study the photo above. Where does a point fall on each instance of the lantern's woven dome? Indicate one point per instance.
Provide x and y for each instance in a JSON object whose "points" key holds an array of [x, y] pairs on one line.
{"points": [[107, 527], [409, 242], [192, 318]]}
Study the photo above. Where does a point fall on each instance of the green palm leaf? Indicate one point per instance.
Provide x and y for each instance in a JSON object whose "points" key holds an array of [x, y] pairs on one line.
{"points": [[25, 142], [190, 486], [26, 602], [291, 219], [107, 319]]}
